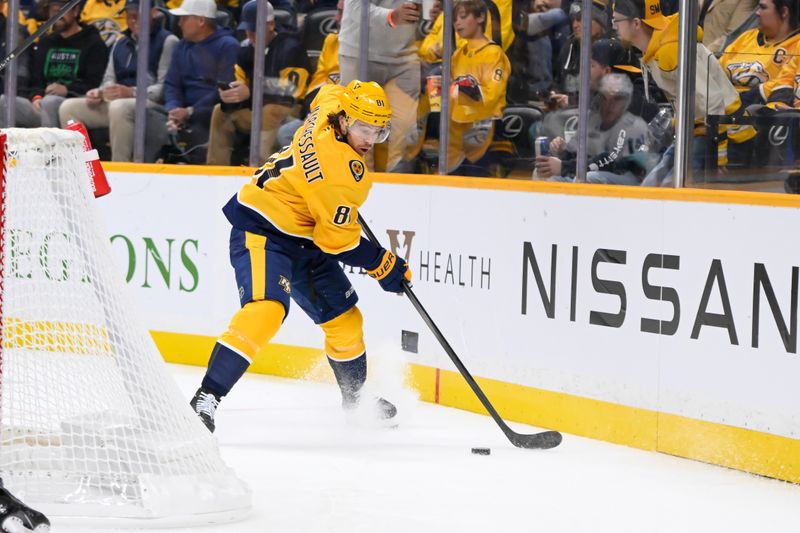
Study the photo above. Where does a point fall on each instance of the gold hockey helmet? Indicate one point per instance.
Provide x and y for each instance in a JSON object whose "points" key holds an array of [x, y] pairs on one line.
{"points": [[366, 101]]}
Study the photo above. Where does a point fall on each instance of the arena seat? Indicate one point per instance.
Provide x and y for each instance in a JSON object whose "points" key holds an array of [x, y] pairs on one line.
{"points": [[517, 121], [285, 20], [317, 25]]}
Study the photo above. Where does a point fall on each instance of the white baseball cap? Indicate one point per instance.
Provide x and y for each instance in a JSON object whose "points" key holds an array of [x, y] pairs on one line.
{"points": [[199, 8]]}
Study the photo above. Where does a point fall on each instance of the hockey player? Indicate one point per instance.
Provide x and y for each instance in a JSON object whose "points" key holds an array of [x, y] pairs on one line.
{"points": [[16, 517], [292, 225]]}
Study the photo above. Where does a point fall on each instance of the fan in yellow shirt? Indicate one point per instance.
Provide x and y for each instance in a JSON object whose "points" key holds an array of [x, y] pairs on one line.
{"points": [[785, 91], [108, 16], [641, 23], [497, 28], [754, 61], [480, 71]]}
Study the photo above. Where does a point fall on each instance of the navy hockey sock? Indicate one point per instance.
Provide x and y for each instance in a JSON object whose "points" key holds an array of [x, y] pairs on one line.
{"points": [[350, 375], [225, 368]]}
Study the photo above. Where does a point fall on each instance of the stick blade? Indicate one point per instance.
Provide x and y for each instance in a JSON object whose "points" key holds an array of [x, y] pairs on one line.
{"points": [[537, 441]]}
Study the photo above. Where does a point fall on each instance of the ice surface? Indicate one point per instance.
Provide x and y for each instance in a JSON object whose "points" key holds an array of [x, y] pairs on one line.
{"points": [[313, 470]]}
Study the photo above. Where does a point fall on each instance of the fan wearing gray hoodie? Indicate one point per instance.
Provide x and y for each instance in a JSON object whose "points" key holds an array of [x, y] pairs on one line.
{"points": [[393, 63]]}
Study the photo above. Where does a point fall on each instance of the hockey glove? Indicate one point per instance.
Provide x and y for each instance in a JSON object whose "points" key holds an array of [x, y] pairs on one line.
{"points": [[468, 86], [391, 272]]}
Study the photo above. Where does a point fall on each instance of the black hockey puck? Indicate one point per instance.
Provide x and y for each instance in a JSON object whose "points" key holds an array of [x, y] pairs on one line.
{"points": [[481, 451]]}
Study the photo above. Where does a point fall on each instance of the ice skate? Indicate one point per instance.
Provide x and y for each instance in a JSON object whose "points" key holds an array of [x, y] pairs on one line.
{"points": [[371, 411], [16, 517], [205, 404]]}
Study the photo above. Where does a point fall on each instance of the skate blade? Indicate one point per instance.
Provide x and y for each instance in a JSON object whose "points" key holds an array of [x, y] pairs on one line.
{"points": [[13, 524]]}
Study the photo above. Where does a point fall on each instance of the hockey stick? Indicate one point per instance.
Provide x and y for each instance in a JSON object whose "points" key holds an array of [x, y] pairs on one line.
{"points": [[38, 33], [543, 440]]}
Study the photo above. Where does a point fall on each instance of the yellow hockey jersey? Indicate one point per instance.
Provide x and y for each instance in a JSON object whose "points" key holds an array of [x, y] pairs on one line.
{"points": [[30, 24], [328, 64], [750, 61], [472, 122], [788, 78], [487, 62], [430, 50], [311, 190], [95, 10]]}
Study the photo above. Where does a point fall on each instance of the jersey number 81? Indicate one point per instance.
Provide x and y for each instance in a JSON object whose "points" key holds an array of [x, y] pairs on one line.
{"points": [[342, 215]]}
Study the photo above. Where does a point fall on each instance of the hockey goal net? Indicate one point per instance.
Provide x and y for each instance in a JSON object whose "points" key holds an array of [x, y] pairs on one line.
{"points": [[92, 423]]}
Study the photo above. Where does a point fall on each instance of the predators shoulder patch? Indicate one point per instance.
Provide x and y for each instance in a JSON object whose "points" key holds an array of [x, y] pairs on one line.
{"points": [[357, 169]]}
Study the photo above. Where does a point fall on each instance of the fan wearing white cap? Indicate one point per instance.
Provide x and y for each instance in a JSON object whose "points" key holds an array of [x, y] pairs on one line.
{"points": [[205, 56], [393, 63], [196, 8], [286, 75]]}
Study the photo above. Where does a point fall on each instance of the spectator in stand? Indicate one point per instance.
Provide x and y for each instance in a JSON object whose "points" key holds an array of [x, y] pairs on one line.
{"points": [[540, 29], [567, 69], [430, 50], [327, 72], [23, 65], [286, 73], [615, 138], [562, 118], [105, 9], [113, 104], [67, 62], [786, 90], [753, 63], [393, 63], [641, 23], [480, 71], [108, 16], [206, 55], [754, 60], [722, 18], [28, 22], [611, 56]]}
